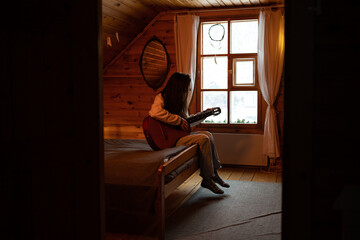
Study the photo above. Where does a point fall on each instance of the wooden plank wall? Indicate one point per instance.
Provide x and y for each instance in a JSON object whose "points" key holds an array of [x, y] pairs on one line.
{"points": [[127, 98]]}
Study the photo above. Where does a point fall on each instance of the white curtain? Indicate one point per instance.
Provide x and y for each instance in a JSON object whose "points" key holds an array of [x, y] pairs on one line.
{"points": [[270, 67], [186, 31]]}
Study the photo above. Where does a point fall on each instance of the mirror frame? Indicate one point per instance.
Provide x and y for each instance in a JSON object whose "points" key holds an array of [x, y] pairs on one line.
{"points": [[161, 81]]}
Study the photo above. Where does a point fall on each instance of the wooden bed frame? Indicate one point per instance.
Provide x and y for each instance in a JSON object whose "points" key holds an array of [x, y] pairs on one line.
{"points": [[164, 190]]}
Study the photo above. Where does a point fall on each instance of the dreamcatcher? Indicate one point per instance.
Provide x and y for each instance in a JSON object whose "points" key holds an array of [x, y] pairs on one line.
{"points": [[216, 34]]}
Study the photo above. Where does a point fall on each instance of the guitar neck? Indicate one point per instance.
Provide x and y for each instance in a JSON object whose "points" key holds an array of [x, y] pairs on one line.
{"points": [[199, 117]]}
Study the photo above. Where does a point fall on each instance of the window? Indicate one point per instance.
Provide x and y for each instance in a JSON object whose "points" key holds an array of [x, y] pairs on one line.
{"points": [[228, 74]]}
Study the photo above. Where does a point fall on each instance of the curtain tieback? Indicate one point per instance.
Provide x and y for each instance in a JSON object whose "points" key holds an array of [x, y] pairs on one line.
{"points": [[272, 108]]}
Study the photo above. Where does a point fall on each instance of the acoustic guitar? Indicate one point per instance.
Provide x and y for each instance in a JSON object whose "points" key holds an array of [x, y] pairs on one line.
{"points": [[160, 135]]}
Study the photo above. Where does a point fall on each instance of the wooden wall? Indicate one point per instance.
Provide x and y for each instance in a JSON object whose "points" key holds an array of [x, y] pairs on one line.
{"points": [[127, 98]]}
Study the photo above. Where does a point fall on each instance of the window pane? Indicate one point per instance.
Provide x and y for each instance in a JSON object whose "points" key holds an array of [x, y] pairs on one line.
{"points": [[243, 107], [244, 36], [214, 38], [244, 71], [214, 72], [211, 99]]}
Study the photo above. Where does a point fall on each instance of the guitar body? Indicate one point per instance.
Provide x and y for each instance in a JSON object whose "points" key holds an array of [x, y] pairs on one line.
{"points": [[160, 135]]}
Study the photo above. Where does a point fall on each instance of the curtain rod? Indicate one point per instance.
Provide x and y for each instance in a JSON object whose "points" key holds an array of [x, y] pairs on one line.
{"points": [[221, 9]]}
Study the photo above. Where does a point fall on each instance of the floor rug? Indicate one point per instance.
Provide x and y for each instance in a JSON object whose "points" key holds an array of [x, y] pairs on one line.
{"points": [[247, 210]]}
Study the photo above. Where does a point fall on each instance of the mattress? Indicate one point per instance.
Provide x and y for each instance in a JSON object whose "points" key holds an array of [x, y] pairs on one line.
{"points": [[133, 162]]}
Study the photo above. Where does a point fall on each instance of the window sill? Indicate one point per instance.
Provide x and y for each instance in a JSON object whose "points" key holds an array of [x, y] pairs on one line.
{"points": [[217, 128]]}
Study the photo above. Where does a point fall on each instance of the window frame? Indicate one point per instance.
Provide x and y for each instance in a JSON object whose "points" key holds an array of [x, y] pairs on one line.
{"points": [[257, 128]]}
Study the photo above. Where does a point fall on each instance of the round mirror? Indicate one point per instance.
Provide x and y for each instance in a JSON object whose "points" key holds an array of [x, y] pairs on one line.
{"points": [[154, 63]]}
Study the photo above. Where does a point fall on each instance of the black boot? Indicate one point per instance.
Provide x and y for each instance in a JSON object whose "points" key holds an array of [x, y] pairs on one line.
{"points": [[219, 181], [210, 184]]}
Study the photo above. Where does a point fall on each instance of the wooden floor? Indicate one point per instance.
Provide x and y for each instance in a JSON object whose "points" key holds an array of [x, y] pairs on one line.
{"points": [[192, 184]]}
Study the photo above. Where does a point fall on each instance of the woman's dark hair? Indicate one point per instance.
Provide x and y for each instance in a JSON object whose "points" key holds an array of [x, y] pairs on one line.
{"points": [[175, 93]]}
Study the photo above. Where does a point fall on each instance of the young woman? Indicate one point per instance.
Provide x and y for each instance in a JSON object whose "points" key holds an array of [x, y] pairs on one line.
{"points": [[170, 107]]}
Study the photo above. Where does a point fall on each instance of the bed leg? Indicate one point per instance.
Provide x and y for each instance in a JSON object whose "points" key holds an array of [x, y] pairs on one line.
{"points": [[161, 205]]}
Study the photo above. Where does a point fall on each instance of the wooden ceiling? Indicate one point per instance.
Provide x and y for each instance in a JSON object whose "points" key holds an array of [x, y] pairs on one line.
{"points": [[122, 20]]}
